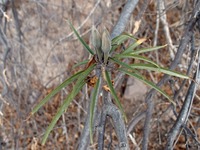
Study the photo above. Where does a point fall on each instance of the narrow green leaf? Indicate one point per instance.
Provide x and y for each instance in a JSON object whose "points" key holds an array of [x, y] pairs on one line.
{"points": [[80, 39], [151, 67], [120, 39], [56, 90], [93, 102], [136, 57], [63, 107], [77, 87], [148, 49], [80, 63], [133, 45], [159, 69], [122, 63], [149, 83], [114, 94]]}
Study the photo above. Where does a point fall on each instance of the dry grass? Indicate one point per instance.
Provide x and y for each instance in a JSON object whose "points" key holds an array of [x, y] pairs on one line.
{"points": [[43, 56]]}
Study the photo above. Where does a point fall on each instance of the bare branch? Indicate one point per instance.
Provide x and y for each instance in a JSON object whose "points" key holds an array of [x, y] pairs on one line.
{"points": [[134, 121], [182, 46], [185, 110], [124, 18], [109, 109], [163, 19]]}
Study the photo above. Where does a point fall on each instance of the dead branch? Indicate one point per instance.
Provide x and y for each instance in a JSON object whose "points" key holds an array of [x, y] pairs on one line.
{"points": [[182, 46], [185, 110]]}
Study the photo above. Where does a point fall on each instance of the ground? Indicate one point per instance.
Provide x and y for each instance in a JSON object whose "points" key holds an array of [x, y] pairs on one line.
{"points": [[43, 51]]}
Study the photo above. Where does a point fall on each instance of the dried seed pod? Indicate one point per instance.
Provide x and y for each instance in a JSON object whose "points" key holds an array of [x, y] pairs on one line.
{"points": [[106, 44], [96, 42]]}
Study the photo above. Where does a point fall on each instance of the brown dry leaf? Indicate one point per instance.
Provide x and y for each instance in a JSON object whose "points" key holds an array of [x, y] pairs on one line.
{"points": [[34, 145], [137, 25], [106, 88], [61, 139], [91, 81], [91, 62]]}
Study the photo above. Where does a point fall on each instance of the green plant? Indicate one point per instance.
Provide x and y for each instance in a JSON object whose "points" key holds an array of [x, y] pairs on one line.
{"points": [[103, 60]]}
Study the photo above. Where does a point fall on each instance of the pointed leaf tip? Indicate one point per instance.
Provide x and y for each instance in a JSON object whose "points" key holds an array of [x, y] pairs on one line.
{"points": [[106, 41], [106, 44], [80, 39], [96, 38], [96, 42]]}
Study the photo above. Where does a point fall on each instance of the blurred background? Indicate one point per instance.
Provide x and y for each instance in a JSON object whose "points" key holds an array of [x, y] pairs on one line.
{"points": [[38, 50]]}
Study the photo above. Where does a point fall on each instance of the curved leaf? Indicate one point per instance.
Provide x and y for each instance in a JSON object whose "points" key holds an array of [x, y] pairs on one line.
{"points": [[148, 49], [77, 87], [94, 98], [80, 63], [149, 83], [114, 94], [136, 57], [133, 45], [63, 107], [151, 67], [122, 64], [159, 69], [120, 39], [55, 91], [80, 39]]}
